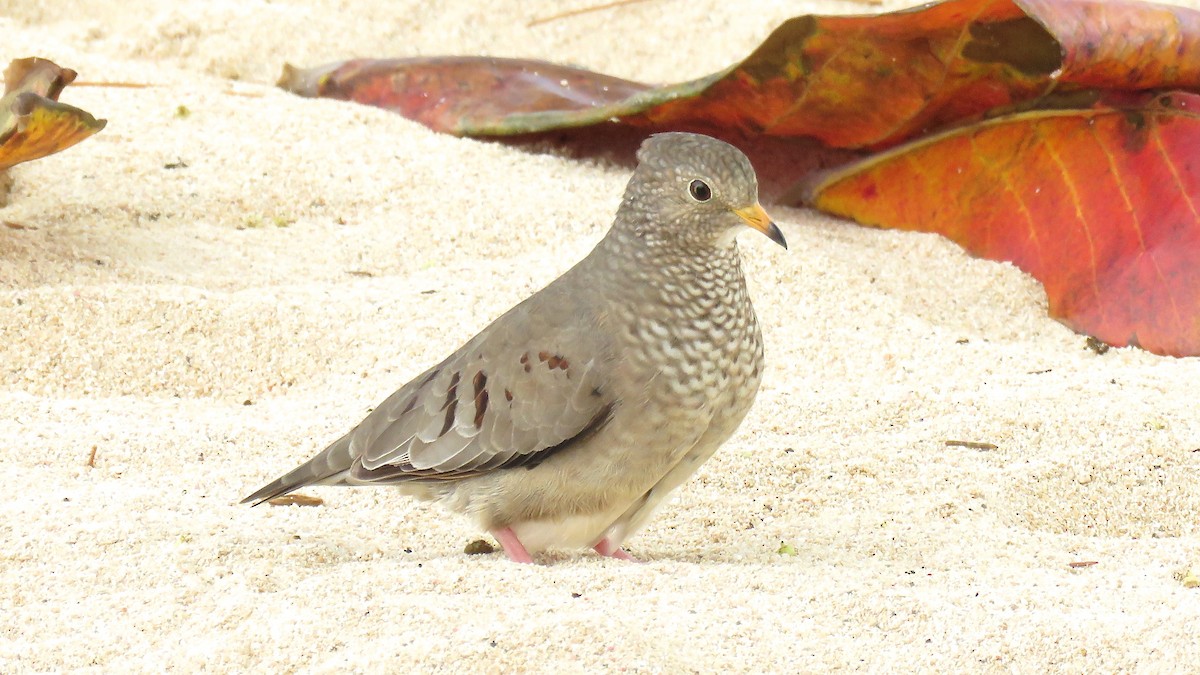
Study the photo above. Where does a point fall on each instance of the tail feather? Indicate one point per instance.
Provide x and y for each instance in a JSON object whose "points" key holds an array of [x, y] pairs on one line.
{"points": [[323, 468]]}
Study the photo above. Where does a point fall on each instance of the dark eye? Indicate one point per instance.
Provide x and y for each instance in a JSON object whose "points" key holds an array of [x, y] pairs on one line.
{"points": [[700, 191]]}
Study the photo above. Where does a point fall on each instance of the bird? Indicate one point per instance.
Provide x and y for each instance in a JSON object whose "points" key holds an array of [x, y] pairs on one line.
{"points": [[567, 421]]}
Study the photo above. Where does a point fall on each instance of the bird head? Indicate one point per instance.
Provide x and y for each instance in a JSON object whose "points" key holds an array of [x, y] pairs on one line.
{"points": [[695, 190]]}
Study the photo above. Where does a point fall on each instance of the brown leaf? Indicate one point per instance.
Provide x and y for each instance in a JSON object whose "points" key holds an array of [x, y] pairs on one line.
{"points": [[295, 499], [32, 123]]}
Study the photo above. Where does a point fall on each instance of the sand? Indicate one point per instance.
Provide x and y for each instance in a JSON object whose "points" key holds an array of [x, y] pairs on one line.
{"points": [[205, 300]]}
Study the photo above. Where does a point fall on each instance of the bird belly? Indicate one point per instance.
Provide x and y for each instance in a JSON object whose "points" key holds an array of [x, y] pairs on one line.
{"points": [[573, 531]]}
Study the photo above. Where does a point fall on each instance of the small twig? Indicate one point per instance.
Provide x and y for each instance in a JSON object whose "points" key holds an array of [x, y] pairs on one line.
{"points": [[1084, 563], [577, 12], [974, 445], [92, 458], [114, 85]]}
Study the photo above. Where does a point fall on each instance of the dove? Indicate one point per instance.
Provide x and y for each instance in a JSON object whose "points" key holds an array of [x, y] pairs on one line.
{"points": [[567, 421]]}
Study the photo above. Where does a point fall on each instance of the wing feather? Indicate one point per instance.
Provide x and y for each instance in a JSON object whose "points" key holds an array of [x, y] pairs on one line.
{"points": [[505, 399]]}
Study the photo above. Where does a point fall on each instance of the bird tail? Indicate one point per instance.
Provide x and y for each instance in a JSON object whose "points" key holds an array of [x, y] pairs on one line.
{"points": [[326, 468]]}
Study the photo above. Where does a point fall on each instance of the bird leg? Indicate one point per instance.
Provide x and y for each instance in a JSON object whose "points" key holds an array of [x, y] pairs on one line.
{"points": [[512, 546], [606, 549]]}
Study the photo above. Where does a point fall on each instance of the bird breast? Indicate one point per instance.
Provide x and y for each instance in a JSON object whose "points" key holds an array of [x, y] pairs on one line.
{"points": [[694, 340]]}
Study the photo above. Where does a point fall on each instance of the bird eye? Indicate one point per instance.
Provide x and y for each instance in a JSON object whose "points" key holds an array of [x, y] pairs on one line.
{"points": [[700, 191]]}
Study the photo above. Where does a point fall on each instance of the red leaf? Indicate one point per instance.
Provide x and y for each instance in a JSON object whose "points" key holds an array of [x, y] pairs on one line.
{"points": [[1100, 205], [460, 94], [857, 81]]}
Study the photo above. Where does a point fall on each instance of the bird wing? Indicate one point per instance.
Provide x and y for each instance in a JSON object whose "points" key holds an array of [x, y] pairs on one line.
{"points": [[515, 394]]}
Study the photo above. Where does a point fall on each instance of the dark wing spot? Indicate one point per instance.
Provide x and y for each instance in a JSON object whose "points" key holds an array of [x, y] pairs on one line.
{"points": [[451, 404], [481, 398], [481, 403], [507, 395], [544, 357]]}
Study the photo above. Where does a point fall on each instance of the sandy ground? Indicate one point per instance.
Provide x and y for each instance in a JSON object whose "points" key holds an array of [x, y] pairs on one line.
{"points": [[205, 327]]}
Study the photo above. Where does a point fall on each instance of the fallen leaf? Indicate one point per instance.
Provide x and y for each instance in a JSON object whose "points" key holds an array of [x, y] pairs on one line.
{"points": [[462, 94], [848, 81], [295, 499], [33, 123], [1100, 205]]}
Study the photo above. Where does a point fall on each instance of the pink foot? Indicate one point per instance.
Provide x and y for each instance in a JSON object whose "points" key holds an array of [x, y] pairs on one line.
{"points": [[512, 546], [606, 549]]}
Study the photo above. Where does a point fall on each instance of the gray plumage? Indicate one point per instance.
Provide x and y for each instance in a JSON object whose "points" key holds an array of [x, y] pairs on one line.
{"points": [[568, 419]]}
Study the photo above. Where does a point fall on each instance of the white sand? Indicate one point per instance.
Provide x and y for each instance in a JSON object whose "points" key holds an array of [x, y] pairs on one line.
{"points": [[160, 316]]}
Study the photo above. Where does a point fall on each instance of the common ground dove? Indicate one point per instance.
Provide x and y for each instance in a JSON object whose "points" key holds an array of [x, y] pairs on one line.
{"points": [[568, 420]]}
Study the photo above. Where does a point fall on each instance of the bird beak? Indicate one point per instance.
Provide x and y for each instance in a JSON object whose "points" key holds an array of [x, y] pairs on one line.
{"points": [[757, 218]]}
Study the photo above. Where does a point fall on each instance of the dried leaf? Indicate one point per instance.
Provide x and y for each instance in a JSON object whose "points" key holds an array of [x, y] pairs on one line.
{"points": [[296, 499], [32, 123], [1100, 205]]}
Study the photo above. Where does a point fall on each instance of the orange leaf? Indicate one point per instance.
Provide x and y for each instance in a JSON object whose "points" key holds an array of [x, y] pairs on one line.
{"points": [[1100, 205], [847, 81], [32, 123]]}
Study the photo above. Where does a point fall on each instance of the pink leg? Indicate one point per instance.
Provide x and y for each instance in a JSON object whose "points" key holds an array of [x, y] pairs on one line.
{"points": [[512, 546], [606, 549]]}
